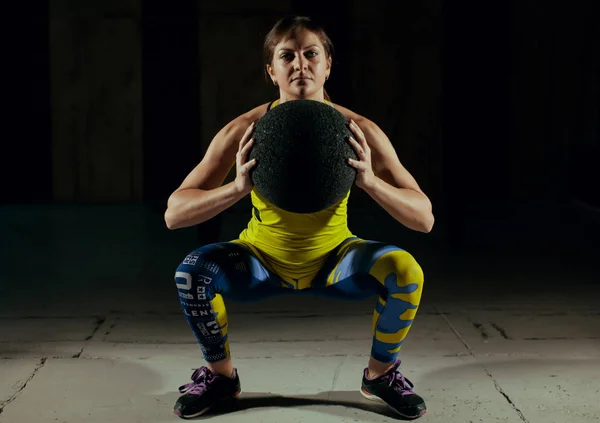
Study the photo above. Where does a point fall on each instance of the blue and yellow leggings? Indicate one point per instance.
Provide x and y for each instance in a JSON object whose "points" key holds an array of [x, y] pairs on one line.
{"points": [[356, 269]]}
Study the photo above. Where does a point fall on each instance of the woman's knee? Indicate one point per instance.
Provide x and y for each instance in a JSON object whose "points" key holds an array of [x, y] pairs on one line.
{"points": [[397, 267], [227, 268], [199, 271], [408, 266]]}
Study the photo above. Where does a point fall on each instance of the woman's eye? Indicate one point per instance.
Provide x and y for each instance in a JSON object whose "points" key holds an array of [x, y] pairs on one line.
{"points": [[311, 54]]}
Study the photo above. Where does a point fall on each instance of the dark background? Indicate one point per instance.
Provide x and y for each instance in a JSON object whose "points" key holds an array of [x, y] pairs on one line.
{"points": [[493, 107]]}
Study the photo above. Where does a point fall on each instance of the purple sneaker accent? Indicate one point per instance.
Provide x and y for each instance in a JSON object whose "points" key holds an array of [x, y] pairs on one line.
{"points": [[204, 391], [200, 379], [395, 390], [395, 379]]}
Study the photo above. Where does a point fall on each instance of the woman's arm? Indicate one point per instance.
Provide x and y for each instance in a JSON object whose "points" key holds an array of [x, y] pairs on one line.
{"points": [[381, 174], [201, 195], [193, 206]]}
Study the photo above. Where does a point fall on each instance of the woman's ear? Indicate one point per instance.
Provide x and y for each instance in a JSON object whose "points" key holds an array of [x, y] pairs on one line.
{"points": [[270, 72]]}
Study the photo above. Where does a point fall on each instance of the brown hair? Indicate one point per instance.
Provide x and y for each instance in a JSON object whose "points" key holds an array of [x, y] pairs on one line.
{"points": [[287, 27]]}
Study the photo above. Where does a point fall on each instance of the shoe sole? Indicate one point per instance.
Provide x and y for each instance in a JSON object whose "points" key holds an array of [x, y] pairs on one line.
{"points": [[193, 416], [375, 398]]}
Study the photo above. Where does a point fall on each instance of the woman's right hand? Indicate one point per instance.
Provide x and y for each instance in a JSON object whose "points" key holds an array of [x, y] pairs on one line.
{"points": [[242, 167]]}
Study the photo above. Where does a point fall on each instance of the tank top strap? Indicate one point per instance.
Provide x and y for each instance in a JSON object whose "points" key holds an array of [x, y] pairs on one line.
{"points": [[272, 104]]}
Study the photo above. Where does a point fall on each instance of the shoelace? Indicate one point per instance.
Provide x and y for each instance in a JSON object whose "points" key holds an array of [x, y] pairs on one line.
{"points": [[397, 381], [200, 380], [401, 384]]}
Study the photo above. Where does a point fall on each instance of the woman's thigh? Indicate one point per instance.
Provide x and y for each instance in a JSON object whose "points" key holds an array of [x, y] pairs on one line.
{"points": [[359, 268], [227, 268]]}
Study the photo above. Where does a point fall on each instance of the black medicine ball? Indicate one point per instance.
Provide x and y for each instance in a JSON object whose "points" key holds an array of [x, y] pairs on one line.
{"points": [[301, 149]]}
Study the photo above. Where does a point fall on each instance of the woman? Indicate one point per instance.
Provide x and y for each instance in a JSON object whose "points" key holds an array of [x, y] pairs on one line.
{"points": [[297, 257]]}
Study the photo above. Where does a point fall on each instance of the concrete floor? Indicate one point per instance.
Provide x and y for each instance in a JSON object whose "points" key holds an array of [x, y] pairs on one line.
{"points": [[91, 331]]}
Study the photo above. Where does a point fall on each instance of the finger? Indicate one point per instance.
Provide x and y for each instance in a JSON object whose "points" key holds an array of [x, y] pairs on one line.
{"points": [[249, 165], [359, 133], [352, 141], [242, 154], [364, 146], [355, 128], [355, 131], [250, 128], [247, 134], [246, 148], [357, 147], [355, 163]]}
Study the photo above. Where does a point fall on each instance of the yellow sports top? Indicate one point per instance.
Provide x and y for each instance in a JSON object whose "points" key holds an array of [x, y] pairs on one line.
{"points": [[295, 245]]}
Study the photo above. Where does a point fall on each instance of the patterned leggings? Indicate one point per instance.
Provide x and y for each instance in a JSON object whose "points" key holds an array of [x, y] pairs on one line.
{"points": [[356, 269]]}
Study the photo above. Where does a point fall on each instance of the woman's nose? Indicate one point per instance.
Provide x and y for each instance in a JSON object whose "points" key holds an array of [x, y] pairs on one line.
{"points": [[300, 63]]}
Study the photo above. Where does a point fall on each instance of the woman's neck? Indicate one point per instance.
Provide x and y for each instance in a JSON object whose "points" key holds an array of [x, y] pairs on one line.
{"points": [[283, 97]]}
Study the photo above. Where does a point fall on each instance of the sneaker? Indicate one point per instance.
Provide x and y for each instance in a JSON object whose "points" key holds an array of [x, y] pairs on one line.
{"points": [[205, 391], [394, 390]]}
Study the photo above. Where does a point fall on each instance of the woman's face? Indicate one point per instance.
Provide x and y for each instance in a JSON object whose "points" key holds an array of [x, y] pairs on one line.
{"points": [[300, 67]]}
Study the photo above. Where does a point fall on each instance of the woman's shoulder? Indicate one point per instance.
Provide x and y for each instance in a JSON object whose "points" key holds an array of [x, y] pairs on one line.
{"points": [[238, 125], [253, 115], [349, 114]]}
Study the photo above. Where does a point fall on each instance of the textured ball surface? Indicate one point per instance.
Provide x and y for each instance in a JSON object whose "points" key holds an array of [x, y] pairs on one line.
{"points": [[301, 149]]}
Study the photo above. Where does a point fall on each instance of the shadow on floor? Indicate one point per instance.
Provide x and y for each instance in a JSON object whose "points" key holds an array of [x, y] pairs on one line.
{"points": [[325, 402]]}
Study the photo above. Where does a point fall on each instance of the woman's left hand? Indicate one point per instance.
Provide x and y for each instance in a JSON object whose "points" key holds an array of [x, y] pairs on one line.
{"points": [[365, 176]]}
